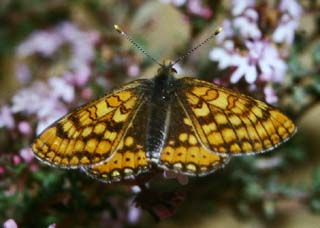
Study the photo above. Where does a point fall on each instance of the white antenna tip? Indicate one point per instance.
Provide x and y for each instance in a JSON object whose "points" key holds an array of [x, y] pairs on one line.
{"points": [[218, 30], [118, 29]]}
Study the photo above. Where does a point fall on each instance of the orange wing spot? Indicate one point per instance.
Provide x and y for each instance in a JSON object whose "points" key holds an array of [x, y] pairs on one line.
{"points": [[193, 153], [74, 160], [65, 161], [103, 147], [235, 148], [221, 101], [262, 133], [124, 95], [140, 158], [275, 138], [282, 132], [129, 141], [202, 111], [113, 101], [194, 100], [220, 118], [87, 131], [128, 159], [242, 133], [179, 154], [183, 137], [99, 128], [56, 144], [257, 111], [110, 135], [85, 119], [102, 108], [187, 121], [63, 146], [231, 101], [207, 128], [258, 146], [267, 143], [79, 146], [57, 160], [116, 161], [91, 145], [253, 134], [167, 154], [228, 135], [84, 160], [67, 125], [246, 147], [200, 91], [211, 95], [215, 138], [119, 117], [192, 140], [51, 154], [49, 135], [235, 120]]}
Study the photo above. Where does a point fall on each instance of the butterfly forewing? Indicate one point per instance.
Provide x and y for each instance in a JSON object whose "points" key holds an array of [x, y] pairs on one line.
{"points": [[91, 133], [182, 151], [232, 123], [129, 160]]}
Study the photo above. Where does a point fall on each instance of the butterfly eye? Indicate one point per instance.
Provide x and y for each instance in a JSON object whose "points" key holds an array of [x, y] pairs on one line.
{"points": [[174, 70]]}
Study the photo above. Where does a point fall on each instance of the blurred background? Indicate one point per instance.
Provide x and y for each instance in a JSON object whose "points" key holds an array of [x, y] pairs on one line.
{"points": [[56, 55]]}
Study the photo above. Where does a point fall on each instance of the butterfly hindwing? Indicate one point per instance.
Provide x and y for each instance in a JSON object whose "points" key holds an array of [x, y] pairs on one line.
{"points": [[91, 133], [232, 123], [182, 151], [129, 160]]}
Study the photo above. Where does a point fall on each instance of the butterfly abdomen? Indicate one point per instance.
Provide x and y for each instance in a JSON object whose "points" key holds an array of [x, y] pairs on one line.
{"points": [[158, 114]]}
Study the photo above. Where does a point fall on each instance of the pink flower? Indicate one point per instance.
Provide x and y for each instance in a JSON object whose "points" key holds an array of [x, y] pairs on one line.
{"points": [[10, 223], [133, 70], [196, 7], [270, 94], [2, 170], [6, 117], [174, 2], [291, 7], [27, 154], [44, 101], [47, 42], [24, 127], [182, 179], [261, 57], [16, 160], [134, 214], [238, 7], [285, 31], [23, 73], [247, 26]]}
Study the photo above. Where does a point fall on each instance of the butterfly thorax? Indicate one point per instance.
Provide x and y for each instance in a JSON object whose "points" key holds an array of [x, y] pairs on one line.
{"points": [[159, 110]]}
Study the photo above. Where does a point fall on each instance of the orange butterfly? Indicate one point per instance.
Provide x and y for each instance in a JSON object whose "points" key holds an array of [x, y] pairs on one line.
{"points": [[183, 125]]}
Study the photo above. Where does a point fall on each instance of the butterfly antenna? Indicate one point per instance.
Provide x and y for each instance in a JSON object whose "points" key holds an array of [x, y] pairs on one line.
{"points": [[119, 30], [216, 32]]}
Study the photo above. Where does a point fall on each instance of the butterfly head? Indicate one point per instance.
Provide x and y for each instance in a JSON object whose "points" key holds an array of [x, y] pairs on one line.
{"points": [[167, 67]]}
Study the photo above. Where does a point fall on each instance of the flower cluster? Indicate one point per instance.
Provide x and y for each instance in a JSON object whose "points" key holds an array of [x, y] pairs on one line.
{"points": [[45, 101], [248, 48], [194, 7]]}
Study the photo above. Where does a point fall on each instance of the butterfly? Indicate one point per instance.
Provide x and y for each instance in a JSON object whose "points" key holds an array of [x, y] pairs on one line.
{"points": [[184, 125]]}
